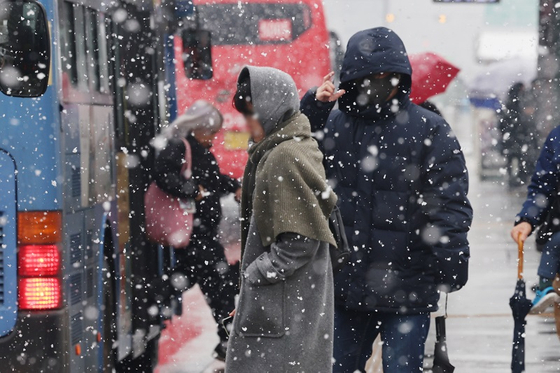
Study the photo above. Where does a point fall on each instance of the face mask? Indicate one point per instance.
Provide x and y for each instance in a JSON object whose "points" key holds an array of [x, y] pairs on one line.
{"points": [[369, 92], [375, 92]]}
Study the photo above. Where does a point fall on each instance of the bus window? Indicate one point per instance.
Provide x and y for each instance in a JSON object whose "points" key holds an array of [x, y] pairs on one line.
{"points": [[92, 48], [80, 46], [103, 54], [197, 54], [254, 23], [68, 43], [24, 49]]}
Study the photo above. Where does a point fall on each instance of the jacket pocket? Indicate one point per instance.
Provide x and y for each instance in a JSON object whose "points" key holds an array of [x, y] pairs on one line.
{"points": [[260, 311]]}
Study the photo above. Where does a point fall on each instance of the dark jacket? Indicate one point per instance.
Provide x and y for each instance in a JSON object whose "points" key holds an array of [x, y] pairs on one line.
{"points": [[544, 183], [205, 172], [402, 184], [516, 130]]}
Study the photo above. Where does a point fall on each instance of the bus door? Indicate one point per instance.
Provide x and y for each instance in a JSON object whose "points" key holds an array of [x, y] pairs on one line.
{"points": [[137, 116], [87, 125]]}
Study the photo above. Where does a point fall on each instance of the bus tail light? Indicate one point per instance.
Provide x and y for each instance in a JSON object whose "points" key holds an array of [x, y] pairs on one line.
{"points": [[38, 260], [39, 293], [39, 227]]}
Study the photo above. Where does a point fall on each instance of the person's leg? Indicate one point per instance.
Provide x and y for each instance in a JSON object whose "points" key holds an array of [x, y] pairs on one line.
{"points": [[183, 276], [548, 267], [550, 259], [214, 280], [211, 271], [510, 171], [404, 339], [354, 333]]}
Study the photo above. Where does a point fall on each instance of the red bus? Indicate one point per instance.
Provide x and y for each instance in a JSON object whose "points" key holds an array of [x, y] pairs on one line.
{"points": [[290, 35]]}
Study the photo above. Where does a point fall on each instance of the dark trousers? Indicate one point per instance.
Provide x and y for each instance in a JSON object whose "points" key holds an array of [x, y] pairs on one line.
{"points": [[404, 337], [204, 263], [550, 259]]}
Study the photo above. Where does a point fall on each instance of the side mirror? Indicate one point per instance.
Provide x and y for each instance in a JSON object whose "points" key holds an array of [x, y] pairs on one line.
{"points": [[25, 48], [197, 54]]}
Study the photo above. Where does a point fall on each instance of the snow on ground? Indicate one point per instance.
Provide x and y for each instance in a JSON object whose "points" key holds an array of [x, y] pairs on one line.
{"points": [[186, 345]]}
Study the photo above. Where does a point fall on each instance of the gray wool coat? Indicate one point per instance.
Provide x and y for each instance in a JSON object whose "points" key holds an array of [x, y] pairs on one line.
{"points": [[285, 315]]}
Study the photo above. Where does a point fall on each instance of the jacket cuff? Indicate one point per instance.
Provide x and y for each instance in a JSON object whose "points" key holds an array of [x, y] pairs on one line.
{"points": [[524, 219], [310, 104], [189, 189], [319, 104]]}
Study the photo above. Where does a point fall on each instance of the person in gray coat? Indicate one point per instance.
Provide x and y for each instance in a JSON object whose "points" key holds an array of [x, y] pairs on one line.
{"points": [[285, 315]]}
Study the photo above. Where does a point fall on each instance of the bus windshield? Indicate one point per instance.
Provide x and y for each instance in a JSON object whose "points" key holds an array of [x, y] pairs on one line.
{"points": [[255, 23]]}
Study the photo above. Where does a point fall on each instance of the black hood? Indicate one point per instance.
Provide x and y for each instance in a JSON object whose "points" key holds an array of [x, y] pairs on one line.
{"points": [[373, 51]]}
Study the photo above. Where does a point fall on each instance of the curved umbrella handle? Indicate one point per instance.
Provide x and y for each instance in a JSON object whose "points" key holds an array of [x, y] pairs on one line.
{"points": [[520, 258]]}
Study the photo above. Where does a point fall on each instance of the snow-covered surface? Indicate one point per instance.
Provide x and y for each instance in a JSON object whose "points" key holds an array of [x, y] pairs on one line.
{"points": [[186, 345]]}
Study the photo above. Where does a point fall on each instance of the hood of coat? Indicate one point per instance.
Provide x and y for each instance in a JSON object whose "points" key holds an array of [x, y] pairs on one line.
{"points": [[374, 51], [274, 95]]}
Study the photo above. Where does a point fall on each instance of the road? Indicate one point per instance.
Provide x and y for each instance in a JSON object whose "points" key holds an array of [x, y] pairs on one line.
{"points": [[480, 325]]}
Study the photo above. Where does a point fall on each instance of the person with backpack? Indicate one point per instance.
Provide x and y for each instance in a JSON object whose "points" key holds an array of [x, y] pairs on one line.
{"points": [[402, 184], [203, 261], [284, 317], [542, 209]]}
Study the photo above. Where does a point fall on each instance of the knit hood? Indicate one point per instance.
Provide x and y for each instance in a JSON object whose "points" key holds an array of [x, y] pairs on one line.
{"points": [[274, 95]]}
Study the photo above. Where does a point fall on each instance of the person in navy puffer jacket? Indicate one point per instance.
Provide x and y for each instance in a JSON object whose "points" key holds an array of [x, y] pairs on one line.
{"points": [[402, 184]]}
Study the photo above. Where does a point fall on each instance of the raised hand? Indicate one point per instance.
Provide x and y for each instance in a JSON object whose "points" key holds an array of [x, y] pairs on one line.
{"points": [[327, 91]]}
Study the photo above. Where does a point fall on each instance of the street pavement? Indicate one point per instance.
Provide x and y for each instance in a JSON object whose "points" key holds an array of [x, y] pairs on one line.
{"points": [[480, 325]]}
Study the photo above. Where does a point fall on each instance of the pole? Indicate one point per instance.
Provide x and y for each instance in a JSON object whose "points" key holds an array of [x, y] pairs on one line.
{"points": [[385, 12], [520, 258]]}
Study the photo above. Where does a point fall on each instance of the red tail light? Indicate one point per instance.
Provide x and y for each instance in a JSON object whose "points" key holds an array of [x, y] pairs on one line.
{"points": [[39, 293], [38, 260]]}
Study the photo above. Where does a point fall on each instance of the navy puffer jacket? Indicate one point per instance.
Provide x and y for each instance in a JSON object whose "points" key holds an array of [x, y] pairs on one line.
{"points": [[543, 189], [402, 184]]}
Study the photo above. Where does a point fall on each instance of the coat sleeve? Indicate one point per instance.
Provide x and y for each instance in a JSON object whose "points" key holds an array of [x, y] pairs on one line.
{"points": [[167, 172], [213, 179], [445, 203], [544, 182], [287, 255], [317, 112], [228, 184]]}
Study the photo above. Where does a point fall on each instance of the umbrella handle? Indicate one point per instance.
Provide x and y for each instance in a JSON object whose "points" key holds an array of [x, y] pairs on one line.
{"points": [[520, 258]]}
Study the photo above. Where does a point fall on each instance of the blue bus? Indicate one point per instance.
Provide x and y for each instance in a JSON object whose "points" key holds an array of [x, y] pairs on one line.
{"points": [[80, 286]]}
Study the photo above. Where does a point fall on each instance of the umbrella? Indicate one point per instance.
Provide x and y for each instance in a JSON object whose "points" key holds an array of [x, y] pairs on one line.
{"points": [[441, 359], [495, 79], [431, 74], [520, 307]]}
